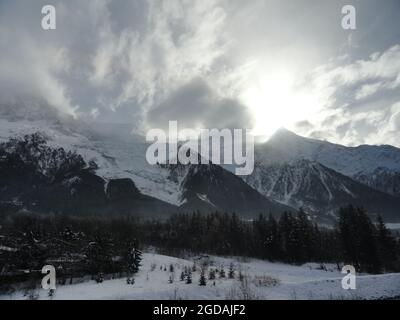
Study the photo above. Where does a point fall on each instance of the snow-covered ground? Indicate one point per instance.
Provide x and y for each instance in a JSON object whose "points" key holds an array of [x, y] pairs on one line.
{"points": [[281, 282]]}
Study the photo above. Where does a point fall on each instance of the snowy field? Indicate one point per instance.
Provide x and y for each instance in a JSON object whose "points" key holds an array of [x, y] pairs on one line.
{"points": [[262, 280]]}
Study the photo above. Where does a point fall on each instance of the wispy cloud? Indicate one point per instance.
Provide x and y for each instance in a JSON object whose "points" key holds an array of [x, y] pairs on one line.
{"points": [[358, 98], [132, 60]]}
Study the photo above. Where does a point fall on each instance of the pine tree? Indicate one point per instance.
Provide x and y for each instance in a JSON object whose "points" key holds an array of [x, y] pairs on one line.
{"points": [[358, 237], [189, 277], [211, 275], [132, 260], [137, 256], [259, 234], [202, 281], [231, 273], [288, 240], [387, 246], [303, 233], [222, 273], [272, 240], [99, 255], [100, 277]]}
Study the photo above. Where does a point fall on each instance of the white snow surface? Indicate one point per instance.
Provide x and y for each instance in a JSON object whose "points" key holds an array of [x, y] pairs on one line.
{"points": [[305, 282]]}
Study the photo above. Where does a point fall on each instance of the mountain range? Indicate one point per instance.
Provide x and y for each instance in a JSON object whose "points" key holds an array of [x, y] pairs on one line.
{"points": [[291, 172], [320, 176]]}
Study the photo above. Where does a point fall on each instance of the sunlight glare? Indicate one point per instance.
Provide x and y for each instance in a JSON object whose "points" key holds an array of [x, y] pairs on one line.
{"points": [[276, 103]]}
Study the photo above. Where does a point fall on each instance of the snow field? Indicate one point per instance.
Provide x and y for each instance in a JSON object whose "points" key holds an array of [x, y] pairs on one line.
{"points": [[305, 282]]}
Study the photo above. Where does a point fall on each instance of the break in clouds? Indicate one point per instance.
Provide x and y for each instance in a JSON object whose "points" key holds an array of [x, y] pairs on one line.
{"points": [[213, 64]]}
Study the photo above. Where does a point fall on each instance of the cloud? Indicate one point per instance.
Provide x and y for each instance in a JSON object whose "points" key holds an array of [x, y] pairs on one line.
{"points": [[31, 69], [368, 89], [181, 40], [195, 105], [110, 55], [379, 71], [124, 61], [38, 65], [357, 98]]}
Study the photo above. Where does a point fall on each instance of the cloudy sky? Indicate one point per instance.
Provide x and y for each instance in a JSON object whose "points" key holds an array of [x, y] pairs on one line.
{"points": [[260, 64]]}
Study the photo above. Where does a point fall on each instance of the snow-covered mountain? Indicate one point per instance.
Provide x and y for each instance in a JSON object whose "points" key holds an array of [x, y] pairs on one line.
{"points": [[376, 166], [117, 152], [210, 188], [319, 190], [39, 178], [120, 154], [285, 145], [321, 176], [290, 171], [383, 179]]}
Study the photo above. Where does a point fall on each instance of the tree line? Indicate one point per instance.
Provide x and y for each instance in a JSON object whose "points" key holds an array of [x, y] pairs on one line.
{"points": [[96, 247], [293, 238]]}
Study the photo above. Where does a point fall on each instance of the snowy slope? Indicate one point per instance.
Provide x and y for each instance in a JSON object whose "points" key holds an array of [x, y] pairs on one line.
{"points": [[116, 156], [319, 190], [210, 188], [375, 166], [121, 154], [307, 282], [286, 146]]}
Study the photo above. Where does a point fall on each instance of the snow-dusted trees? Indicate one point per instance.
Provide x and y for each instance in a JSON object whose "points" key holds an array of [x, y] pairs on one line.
{"points": [[76, 248], [222, 272], [202, 280], [211, 274], [293, 238], [182, 277], [189, 277], [231, 274], [131, 259], [99, 256]]}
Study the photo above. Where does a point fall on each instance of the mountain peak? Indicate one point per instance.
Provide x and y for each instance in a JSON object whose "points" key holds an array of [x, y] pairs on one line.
{"points": [[284, 134], [283, 130]]}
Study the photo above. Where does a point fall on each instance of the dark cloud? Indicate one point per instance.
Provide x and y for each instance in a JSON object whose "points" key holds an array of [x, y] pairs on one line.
{"points": [[196, 105]]}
